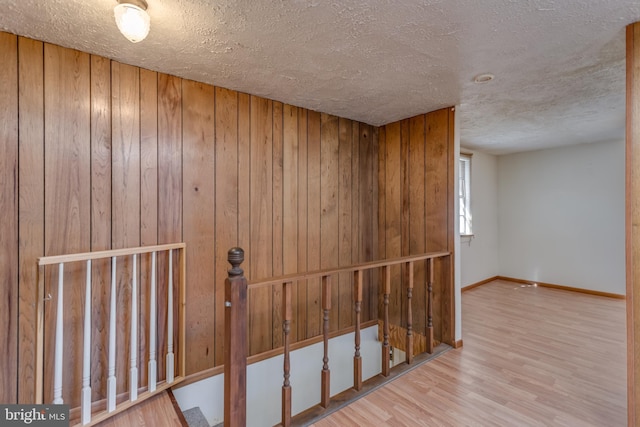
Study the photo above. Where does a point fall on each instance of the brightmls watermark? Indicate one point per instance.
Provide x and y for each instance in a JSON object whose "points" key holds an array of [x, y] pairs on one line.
{"points": [[34, 415]]}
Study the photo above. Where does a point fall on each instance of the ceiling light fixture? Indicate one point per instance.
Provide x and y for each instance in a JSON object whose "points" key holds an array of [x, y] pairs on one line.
{"points": [[483, 78], [132, 19]]}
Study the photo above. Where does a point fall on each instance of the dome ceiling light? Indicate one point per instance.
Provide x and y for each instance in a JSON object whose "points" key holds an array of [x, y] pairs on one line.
{"points": [[132, 19]]}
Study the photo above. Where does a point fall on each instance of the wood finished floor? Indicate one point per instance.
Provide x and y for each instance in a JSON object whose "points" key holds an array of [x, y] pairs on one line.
{"points": [[532, 356], [157, 411]]}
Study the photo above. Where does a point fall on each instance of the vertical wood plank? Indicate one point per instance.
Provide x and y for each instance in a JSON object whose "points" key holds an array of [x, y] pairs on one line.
{"points": [[404, 213], [417, 236], [355, 194], [313, 222], [148, 157], [169, 159], [199, 192], [9, 223], [277, 188], [405, 162], [101, 218], [376, 282], [148, 200], [345, 222], [67, 191], [290, 194], [393, 230], [125, 155], [382, 207], [226, 203], [260, 303], [367, 226], [31, 204], [244, 178], [303, 220], [125, 143], [169, 191], [329, 209]]}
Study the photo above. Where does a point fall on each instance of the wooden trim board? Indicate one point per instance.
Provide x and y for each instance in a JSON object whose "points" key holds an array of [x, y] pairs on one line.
{"points": [[544, 285], [480, 283], [563, 288], [632, 213]]}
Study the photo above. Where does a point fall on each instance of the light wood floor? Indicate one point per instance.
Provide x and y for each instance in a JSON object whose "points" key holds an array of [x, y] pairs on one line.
{"points": [[531, 356], [157, 411]]}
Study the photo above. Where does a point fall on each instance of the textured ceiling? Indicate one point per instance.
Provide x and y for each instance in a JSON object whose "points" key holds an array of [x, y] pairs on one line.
{"points": [[559, 65]]}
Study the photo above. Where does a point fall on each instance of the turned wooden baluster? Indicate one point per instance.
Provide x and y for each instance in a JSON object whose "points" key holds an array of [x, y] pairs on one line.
{"points": [[430, 308], [235, 342], [133, 333], [59, 340], [409, 358], [286, 329], [170, 357], [112, 380], [85, 400], [386, 348], [152, 367], [326, 374], [357, 360]]}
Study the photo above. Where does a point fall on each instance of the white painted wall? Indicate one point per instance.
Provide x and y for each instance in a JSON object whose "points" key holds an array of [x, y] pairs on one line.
{"points": [[264, 380], [479, 254], [561, 216]]}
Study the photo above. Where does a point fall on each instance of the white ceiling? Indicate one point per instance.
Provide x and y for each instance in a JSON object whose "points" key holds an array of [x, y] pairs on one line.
{"points": [[559, 65]]}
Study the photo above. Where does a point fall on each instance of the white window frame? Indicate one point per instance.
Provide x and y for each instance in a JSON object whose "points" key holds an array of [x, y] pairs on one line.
{"points": [[464, 194]]}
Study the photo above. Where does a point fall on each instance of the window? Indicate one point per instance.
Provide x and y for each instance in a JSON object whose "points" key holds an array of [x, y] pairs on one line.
{"points": [[464, 192]]}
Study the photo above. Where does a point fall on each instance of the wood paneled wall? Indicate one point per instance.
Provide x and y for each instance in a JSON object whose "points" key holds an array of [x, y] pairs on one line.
{"points": [[98, 155], [416, 211]]}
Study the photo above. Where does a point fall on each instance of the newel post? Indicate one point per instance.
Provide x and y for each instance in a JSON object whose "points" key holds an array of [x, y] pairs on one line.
{"points": [[235, 342]]}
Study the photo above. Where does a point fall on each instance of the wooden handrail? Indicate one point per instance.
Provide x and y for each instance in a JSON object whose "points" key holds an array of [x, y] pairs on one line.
{"points": [[348, 269], [57, 259]]}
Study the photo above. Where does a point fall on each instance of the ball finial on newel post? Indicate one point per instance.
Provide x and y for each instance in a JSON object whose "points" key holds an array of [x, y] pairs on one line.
{"points": [[235, 256]]}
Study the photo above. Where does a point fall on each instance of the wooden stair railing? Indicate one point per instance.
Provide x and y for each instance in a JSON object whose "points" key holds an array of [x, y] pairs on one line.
{"points": [[121, 393], [236, 288]]}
